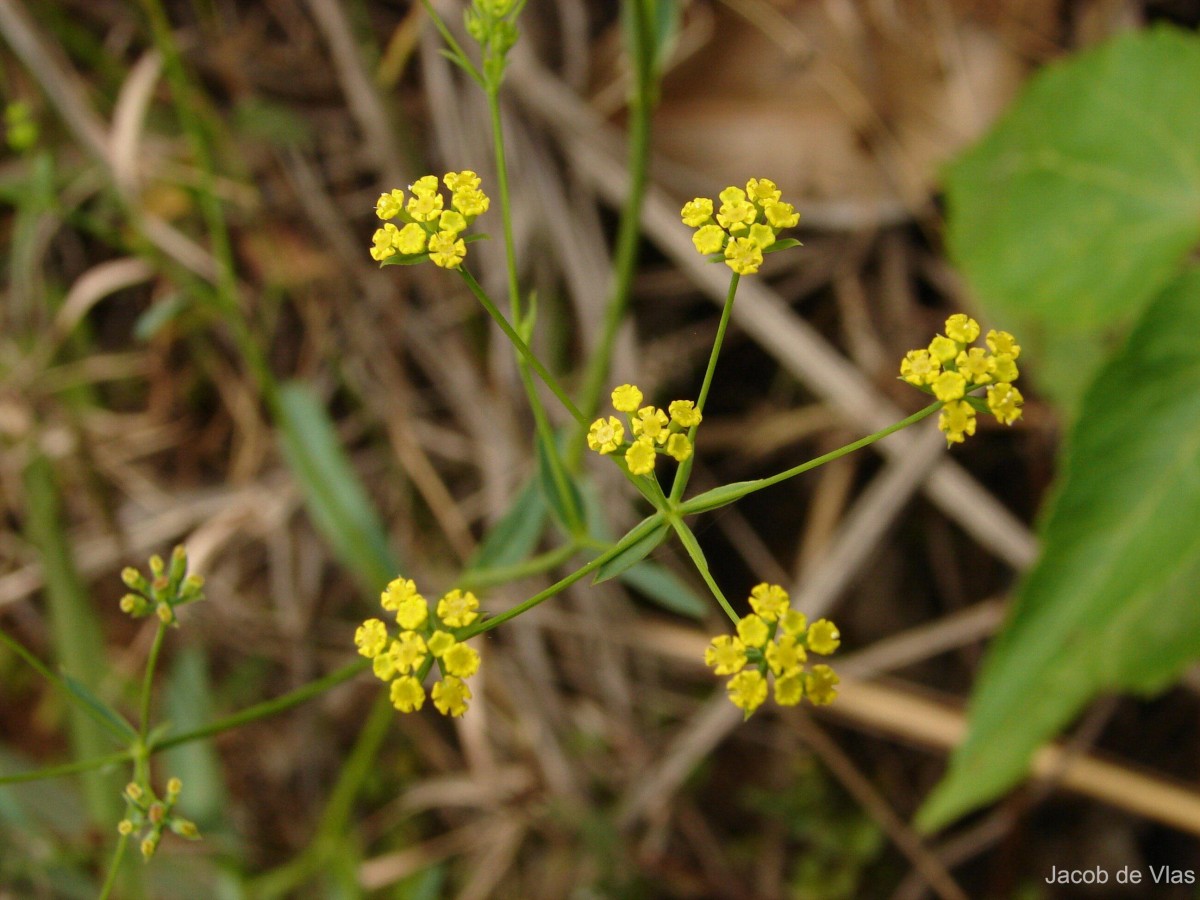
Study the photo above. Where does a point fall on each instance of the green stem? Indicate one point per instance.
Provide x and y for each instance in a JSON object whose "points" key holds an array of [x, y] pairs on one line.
{"points": [[522, 348], [74, 768], [688, 539], [60, 685], [510, 248], [302, 694], [535, 565], [723, 496], [113, 866], [632, 537], [148, 684], [685, 468], [641, 105]]}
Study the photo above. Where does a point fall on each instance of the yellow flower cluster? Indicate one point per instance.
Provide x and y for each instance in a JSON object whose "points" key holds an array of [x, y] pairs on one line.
{"points": [[424, 637], [169, 586], [427, 229], [775, 639], [949, 368], [653, 430], [744, 227]]}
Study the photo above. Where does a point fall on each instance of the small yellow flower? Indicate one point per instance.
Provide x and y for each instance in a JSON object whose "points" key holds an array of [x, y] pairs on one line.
{"points": [[388, 205], [1005, 402], [1006, 369], [407, 694], [684, 413], [439, 642], [697, 212], [747, 690], [957, 421], [735, 214], [384, 665], [452, 222], [781, 215], [725, 654], [819, 685], [461, 661], [471, 204], [125, 827], [949, 386], [408, 652], [709, 239], [383, 242], [785, 656], [370, 638], [1003, 344], [450, 696], [762, 191], [447, 250], [458, 608], [975, 365], [650, 422], [397, 591], [606, 435], [943, 349], [962, 328], [425, 207], [789, 689], [762, 235], [425, 186], [679, 447], [823, 637], [743, 256], [770, 601], [640, 456], [626, 398], [410, 240], [919, 367], [149, 845], [753, 630], [412, 612], [793, 622], [466, 180]]}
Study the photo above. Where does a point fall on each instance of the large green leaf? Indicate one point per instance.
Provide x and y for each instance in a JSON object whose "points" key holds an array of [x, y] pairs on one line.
{"points": [[335, 497], [1080, 205], [1111, 603]]}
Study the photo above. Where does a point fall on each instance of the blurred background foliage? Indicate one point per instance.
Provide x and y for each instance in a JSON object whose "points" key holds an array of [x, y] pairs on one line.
{"points": [[195, 347]]}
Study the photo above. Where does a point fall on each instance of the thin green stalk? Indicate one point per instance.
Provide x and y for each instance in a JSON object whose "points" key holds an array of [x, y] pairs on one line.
{"points": [[522, 348], [641, 105], [535, 565], [113, 866], [635, 534], [148, 683], [302, 694], [61, 686], [688, 539], [510, 247], [723, 496], [685, 468], [74, 768]]}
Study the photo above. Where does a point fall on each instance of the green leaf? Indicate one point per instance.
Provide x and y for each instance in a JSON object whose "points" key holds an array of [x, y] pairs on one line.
{"points": [[1111, 603], [188, 703], [664, 588], [717, 497], [560, 492], [516, 535], [1082, 203], [339, 505], [101, 710], [783, 244], [653, 531]]}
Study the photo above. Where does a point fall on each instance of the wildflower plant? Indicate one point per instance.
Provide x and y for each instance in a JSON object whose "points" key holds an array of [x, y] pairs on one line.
{"points": [[421, 650]]}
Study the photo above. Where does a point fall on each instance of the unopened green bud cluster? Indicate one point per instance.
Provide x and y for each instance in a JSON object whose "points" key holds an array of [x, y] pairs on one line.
{"points": [[168, 587], [493, 25], [148, 816]]}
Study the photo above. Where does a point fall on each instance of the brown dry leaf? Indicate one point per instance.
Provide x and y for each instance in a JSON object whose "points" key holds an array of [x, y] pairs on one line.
{"points": [[853, 103]]}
